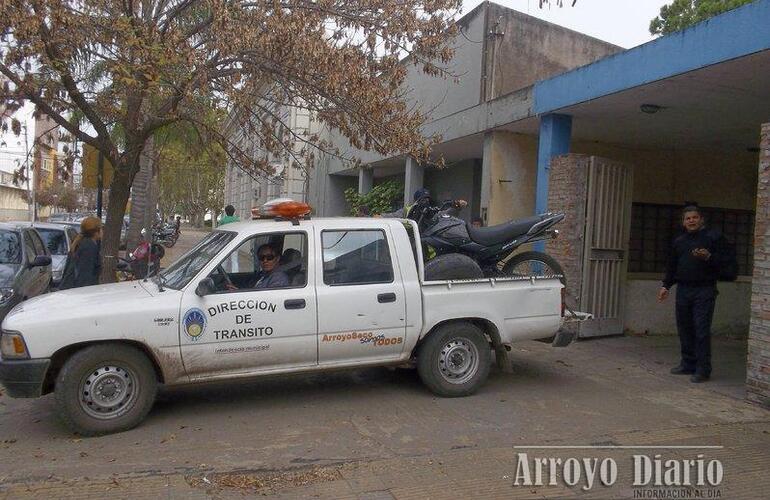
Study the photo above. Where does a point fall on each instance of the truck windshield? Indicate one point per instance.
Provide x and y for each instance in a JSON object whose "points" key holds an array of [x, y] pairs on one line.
{"points": [[189, 265]]}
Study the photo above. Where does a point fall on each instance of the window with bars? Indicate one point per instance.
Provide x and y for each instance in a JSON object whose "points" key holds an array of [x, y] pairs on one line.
{"points": [[654, 227]]}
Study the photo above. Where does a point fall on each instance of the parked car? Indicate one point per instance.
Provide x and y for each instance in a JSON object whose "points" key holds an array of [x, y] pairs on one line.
{"points": [[25, 266], [58, 238], [76, 226], [352, 293]]}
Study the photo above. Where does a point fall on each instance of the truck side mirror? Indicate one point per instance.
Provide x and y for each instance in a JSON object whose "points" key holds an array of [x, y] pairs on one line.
{"points": [[205, 287], [41, 261]]}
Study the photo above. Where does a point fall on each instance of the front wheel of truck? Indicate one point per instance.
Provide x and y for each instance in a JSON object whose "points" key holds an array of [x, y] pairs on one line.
{"points": [[454, 360], [105, 388]]}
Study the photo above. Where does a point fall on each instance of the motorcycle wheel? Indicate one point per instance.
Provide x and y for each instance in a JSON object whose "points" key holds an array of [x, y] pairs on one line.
{"points": [[533, 263]]}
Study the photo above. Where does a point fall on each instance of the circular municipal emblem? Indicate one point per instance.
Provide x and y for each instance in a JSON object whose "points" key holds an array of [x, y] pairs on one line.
{"points": [[194, 323]]}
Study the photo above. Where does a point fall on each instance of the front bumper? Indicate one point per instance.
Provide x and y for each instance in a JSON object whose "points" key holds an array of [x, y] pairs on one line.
{"points": [[24, 378]]}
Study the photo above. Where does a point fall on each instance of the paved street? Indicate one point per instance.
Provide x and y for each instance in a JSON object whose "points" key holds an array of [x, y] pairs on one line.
{"points": [[377, 433]]}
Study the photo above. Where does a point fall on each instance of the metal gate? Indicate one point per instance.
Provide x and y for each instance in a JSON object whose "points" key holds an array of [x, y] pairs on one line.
{"points": [[608, 220]]}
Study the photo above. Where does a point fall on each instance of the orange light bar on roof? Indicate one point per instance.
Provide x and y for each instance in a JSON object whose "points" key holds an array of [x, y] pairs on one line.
{"points": [[290, 209]]}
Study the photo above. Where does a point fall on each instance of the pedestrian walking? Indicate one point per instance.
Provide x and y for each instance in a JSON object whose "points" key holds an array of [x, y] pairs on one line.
{"points": [[83, 260], [697, 257]]}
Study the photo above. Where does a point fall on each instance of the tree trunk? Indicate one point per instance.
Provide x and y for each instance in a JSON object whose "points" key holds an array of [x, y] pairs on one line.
{"points": [[142, 207], [120, 189]]}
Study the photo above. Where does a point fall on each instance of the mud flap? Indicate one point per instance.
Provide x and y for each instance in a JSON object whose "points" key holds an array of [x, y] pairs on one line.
{"points": [[503, 361]]}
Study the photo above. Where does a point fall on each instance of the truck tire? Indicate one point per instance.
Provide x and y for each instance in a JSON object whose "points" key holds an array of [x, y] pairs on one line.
{"points": [[452, 266], [549, 265], [454, 360], [105, 388]]}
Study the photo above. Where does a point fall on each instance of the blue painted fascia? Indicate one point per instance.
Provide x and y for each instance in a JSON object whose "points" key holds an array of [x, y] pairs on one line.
{"points": [[736, 33]]}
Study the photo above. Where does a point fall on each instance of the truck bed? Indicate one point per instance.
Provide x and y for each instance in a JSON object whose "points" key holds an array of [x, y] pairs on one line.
{"points": [[520, 308]]}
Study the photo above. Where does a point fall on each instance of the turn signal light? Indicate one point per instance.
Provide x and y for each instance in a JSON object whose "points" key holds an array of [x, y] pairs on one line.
{"points": [[12, 346], [18, 346]]}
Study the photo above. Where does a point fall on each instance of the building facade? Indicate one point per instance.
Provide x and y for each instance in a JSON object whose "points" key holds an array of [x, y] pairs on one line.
{"points": [[547, 119], [246, 190]]}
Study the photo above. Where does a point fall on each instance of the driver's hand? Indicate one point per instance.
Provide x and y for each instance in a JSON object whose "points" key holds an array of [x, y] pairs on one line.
{"points": [[230, 286]]}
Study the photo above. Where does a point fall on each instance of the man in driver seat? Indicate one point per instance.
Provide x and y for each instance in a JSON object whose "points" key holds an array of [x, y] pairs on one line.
{"points": [[269, 276]]}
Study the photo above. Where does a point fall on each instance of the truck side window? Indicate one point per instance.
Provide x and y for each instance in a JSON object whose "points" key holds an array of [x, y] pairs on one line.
{"points": [[356, 257], [245, 271]]}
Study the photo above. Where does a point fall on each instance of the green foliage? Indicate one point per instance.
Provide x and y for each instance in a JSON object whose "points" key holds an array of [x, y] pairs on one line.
{"points": [[379, 200], [681, 14]]}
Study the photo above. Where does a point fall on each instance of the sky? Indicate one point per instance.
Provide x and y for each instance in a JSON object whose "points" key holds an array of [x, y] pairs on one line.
{"points": [[12, 147], [622, 22]]}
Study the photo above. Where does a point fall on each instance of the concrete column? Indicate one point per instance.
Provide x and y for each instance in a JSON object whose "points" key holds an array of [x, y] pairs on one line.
{"points": [[555, 135], [365, 180], [413, 179], [758, 364], [486, 175]]}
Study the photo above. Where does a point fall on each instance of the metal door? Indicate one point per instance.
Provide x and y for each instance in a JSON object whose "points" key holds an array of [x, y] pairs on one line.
{"points": [[608, 221]]}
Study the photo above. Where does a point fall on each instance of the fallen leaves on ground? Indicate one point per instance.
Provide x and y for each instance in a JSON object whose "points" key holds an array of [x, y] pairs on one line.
{"points": [[268, 480]]}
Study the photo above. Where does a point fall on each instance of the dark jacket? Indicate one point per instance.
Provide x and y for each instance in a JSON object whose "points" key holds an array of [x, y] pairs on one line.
{"points": [[684, 268], [273, 279], [83, 266]]}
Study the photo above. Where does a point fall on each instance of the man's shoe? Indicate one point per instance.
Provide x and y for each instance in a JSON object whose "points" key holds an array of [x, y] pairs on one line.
{"points": [[697, 378], [681, 370]]}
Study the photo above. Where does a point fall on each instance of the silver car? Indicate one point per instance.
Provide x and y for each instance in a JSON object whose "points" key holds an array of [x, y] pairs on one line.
{"points": [[57, 238]]}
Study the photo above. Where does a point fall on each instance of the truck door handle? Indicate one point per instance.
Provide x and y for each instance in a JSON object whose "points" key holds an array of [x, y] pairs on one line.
{"points": [[386, 297], [294, 304]]}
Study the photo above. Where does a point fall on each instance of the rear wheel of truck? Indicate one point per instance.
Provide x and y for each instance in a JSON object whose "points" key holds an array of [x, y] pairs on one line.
{"points": [[452, 266], [454, 360], [105, 388]]}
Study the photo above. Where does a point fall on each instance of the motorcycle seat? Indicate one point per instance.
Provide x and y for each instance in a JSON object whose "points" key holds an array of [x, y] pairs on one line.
{"points": [[502, 233]]}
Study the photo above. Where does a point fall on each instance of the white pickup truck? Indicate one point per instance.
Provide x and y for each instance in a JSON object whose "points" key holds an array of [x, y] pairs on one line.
{"points": [[262, 298]]}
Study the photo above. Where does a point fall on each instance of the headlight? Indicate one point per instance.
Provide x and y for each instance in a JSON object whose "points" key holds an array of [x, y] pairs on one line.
{"points": [[5, 295], [12, 346]]}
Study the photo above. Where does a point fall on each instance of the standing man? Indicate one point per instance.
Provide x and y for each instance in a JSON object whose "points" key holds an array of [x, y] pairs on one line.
{"points": [[229, 216], [694, 265]]}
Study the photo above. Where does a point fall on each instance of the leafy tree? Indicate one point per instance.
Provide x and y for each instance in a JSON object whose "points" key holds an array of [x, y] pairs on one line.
{"points": [[381, 198], [111, 73], [57, 195], [192, 172], [681, 14]]}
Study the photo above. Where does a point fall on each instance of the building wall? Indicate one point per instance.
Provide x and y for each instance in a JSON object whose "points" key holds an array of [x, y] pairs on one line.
{"points": [[524, 50], [512, 159], [12, 203], [758, 367], [438, 97], [676, 176], [288, 180], [454, 182]]}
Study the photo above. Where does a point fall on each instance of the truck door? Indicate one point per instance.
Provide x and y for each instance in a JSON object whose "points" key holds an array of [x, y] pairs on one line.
{"points": [[255, 321], [362, 310]]}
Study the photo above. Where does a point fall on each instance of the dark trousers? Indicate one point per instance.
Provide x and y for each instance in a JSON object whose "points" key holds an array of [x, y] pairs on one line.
{"points": [[694, 312]]}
